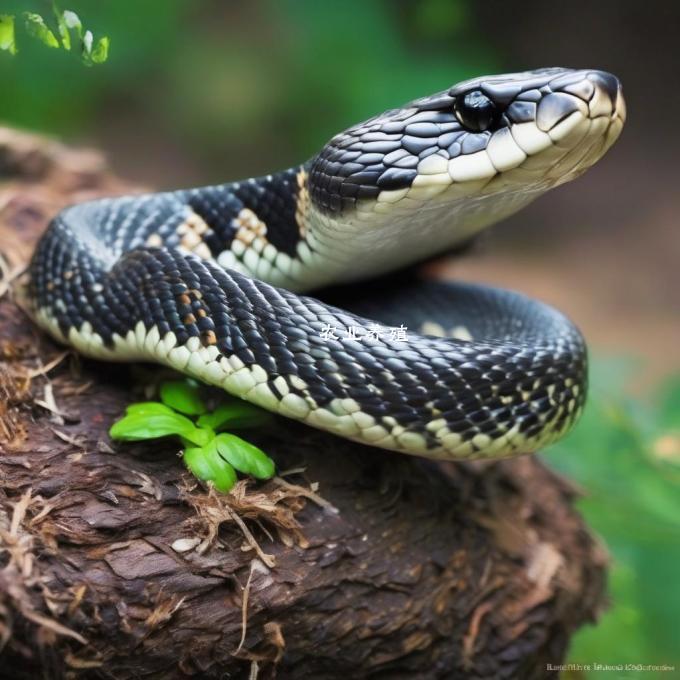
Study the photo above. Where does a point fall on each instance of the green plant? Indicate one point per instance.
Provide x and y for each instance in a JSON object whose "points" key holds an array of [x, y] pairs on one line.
{"points": [[625, 453], [68, 26], [210, 453]]}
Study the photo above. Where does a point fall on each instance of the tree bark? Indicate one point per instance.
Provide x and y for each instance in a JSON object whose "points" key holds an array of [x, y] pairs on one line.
{"points": [[356, 563]]}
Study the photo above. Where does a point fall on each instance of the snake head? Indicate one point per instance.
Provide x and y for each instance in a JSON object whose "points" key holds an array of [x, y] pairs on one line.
{"points": [[427, 176], [553, 124], [516, 132]]}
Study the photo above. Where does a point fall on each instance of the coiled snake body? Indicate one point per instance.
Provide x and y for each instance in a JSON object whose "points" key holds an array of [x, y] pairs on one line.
{"points": [[207, 280]]}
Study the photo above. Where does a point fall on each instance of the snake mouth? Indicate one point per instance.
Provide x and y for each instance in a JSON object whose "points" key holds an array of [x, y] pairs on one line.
{"points": [[522, 132]]}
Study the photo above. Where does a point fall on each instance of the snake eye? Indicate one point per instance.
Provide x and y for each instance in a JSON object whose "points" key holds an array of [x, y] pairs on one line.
{"points": [[475, 111]]}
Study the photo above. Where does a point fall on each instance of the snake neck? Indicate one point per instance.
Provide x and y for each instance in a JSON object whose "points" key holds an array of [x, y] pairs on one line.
{"points": [[274, 229], [258, 227]]}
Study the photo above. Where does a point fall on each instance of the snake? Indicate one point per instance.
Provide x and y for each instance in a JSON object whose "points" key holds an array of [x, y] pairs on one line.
{"points": [[213, 281]]}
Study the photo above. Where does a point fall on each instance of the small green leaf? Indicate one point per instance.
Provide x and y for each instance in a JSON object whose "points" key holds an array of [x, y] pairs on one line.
{"points": [[37, 27], [182, 396], [244, 456], [86, 44], [72, 21], [234, 415], [100, 52], [67, 21], [198, 462], [137, 426], [208, 465], [7, 39], [148, 407]]}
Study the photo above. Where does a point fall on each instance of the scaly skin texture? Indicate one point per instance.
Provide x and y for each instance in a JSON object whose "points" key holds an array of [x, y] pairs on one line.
{"points": [[189, 278]]}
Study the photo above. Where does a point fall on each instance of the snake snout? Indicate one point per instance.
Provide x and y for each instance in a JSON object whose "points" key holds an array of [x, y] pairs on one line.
{"points": [[608, 85], [599, 91], [582, 112], [607, 82]]}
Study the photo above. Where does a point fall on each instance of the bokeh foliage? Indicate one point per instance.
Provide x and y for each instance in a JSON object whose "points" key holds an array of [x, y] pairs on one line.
{"points": [[50, 91], [625, 454], [245, 87]]}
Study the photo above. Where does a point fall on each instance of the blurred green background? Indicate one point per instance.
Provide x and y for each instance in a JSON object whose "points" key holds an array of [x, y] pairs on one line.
{"points": [[199, 91]]}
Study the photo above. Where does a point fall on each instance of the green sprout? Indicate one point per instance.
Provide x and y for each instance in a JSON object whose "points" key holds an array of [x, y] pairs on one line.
{"points": [[69, 29], [210, 453]]}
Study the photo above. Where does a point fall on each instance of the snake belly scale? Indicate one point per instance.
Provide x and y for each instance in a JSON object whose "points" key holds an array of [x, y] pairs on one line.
{"points": [[209, 280]]}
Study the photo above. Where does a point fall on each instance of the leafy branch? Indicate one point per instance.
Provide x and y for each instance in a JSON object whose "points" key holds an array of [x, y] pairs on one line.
{"points": [[69, 31], [210, 453]]}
